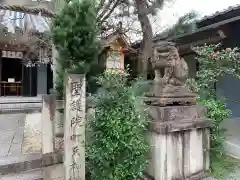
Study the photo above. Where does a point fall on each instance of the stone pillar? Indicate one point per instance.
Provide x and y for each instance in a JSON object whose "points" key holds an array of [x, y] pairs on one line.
{"points": [[74, 127], [48, 113], [179, 137]]}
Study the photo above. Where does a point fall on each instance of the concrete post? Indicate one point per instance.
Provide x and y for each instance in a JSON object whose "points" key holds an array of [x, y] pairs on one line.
{"points": [[74, 127], [48, 113]]}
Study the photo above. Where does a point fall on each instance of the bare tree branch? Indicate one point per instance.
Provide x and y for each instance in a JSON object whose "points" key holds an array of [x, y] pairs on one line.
{"points": [[105, 9], [111, 10]]}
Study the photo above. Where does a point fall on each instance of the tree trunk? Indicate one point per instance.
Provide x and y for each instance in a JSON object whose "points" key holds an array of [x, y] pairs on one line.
{"points": [[146, 53]]}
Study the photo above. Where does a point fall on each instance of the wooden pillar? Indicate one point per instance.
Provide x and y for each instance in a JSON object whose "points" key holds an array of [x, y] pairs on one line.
{"points": [[54, 64], [74, 127], [48, 132]]}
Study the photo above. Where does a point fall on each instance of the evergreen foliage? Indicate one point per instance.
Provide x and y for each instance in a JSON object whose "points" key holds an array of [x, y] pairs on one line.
{"points": [[74, 34], [117, 148], [185, 24]]}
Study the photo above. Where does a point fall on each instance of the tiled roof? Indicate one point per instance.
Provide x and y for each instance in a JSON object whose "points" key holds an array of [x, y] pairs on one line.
{"points": [[164, 36], [218, 13]]}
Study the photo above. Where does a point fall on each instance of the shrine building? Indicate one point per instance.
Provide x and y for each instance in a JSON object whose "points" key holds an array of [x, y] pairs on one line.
{"points": [[21, 74]]}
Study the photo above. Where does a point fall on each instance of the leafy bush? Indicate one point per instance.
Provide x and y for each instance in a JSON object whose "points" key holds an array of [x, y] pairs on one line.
{"points": [[117, 148], [217, 113], [215, 64]]}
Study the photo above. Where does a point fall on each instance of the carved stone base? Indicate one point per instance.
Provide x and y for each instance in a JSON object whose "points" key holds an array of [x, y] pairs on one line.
{"points": [[170, 119], [163, 95], [172, 126], [171, 99], [175, 113]]}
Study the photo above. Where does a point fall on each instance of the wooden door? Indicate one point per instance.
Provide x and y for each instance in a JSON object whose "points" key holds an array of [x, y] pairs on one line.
{"points": [[29, 81]]}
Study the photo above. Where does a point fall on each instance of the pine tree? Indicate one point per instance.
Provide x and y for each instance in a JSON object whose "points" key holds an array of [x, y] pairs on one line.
{"points": [[185, 24], [74, 34]]}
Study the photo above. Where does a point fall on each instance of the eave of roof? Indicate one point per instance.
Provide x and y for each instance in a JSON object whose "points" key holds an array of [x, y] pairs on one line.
{"points": [[200, 30], [160, 37], [219, 13]]}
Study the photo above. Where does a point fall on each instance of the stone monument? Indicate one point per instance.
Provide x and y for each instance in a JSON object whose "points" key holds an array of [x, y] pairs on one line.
{"points": [[74, 127], [179, 130]]}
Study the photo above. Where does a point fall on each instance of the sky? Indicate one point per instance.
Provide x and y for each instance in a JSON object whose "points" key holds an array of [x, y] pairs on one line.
{"points": [[169, 15]]}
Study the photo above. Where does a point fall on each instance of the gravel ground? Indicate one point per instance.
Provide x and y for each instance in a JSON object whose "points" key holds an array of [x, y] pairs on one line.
{"points": [[232, 176], [32, 134], [32, 141]]}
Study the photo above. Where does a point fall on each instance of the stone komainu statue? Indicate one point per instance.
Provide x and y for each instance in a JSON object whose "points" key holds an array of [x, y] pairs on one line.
{"points": [[176, 73], [171, 71]]}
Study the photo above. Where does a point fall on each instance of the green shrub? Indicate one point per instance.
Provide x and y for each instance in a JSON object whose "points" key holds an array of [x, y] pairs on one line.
{"points": [[215, 64], [217, 113], [118, 148]]}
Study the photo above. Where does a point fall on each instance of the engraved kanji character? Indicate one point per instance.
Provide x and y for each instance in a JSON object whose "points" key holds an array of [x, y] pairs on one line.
{"points": [[76, 88], [76, 105]]}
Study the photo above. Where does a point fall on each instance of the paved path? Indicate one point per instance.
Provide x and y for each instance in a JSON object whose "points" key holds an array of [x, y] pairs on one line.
{"points": [[233, 136], [11, 134]]}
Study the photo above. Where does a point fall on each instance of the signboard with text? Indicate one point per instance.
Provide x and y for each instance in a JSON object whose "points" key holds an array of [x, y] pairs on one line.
{"points": [[115, 60]]}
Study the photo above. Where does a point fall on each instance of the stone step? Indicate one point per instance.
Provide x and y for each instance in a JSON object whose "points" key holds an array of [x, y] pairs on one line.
{"points": [[35, 174], [14, 164], [55, 172], [20, 107]]}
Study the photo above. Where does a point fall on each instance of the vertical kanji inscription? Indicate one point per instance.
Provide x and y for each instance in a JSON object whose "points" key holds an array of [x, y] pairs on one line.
{"points": [[74, 134]]}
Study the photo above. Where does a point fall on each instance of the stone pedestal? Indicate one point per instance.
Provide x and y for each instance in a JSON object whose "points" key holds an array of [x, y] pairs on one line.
{"points": [[179, 137], [161, 95]]}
